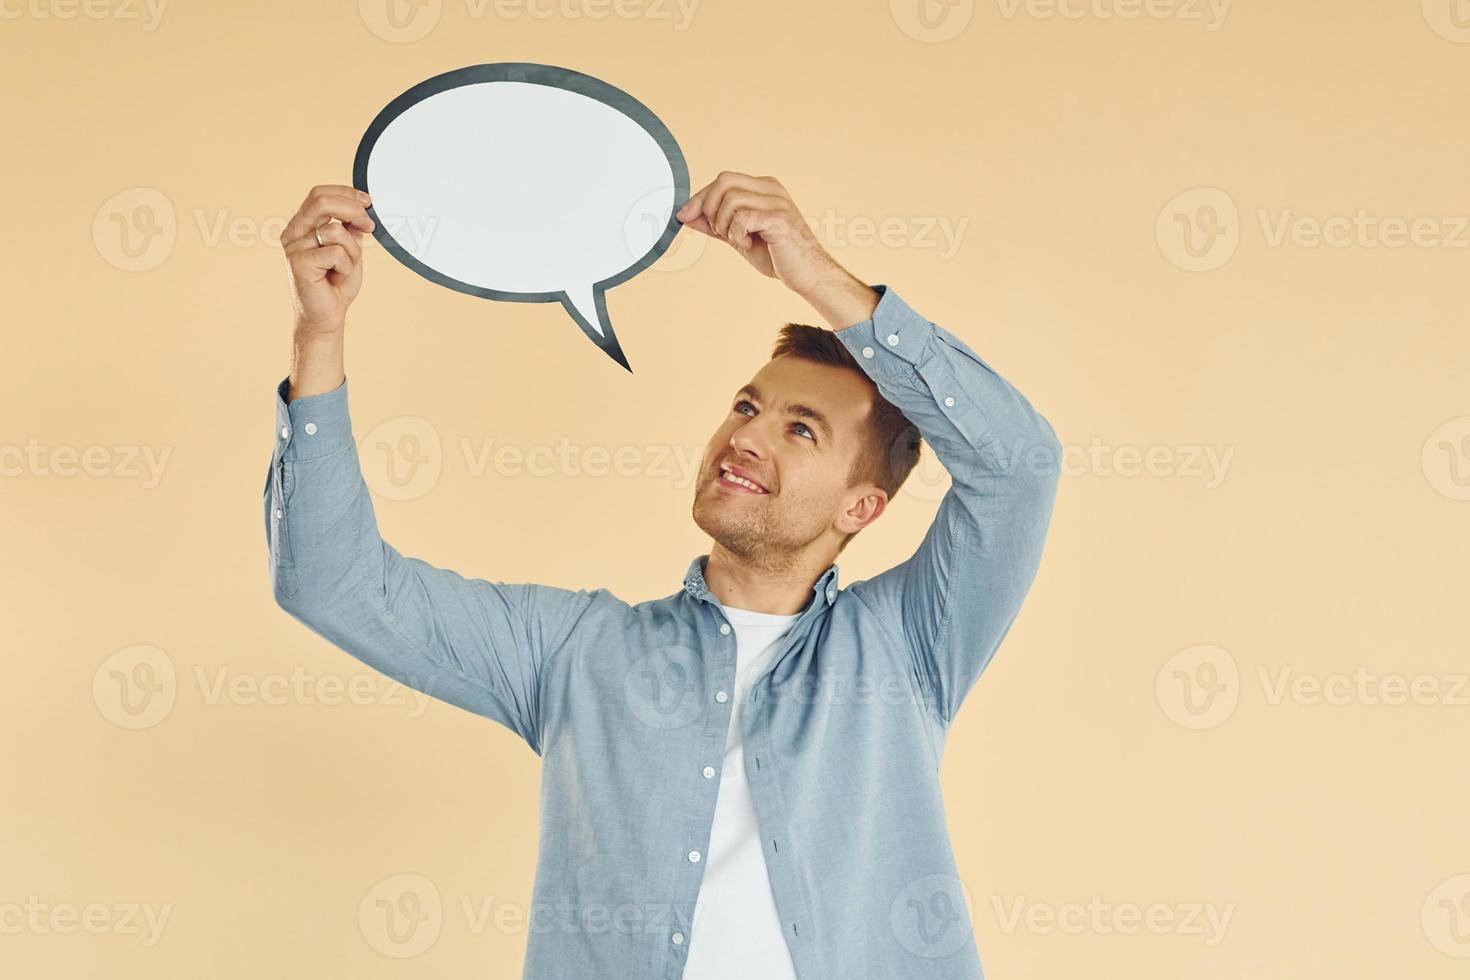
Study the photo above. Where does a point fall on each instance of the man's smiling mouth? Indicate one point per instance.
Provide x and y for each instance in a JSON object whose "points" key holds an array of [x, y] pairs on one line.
{"points": [[735, 481]]}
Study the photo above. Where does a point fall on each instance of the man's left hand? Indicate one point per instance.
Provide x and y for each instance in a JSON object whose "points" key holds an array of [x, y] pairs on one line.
{"points": [[757, 218]]}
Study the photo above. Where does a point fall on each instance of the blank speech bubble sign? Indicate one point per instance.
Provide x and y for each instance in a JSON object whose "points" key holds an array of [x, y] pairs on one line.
{"points": [[524, 182]]}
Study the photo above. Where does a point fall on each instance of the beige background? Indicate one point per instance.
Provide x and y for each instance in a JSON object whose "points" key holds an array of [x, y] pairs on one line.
{"points": [[1236, 687]]}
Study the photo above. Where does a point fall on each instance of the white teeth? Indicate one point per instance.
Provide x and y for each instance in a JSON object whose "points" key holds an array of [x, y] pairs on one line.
{"points": [[726, 474]]}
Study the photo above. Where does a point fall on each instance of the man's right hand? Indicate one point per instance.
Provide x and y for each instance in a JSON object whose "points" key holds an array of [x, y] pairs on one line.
{"points": [[325, 278]]}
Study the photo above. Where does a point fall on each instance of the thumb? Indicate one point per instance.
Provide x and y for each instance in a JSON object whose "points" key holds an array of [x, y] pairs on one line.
{"points": [[701, 224]]}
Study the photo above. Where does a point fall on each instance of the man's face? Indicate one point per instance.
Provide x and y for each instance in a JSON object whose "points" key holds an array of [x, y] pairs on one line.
{"points": [[795, 430]]}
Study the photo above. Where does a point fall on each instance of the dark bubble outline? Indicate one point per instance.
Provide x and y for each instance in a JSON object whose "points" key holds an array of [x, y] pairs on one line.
{"points": [[553, 77]]}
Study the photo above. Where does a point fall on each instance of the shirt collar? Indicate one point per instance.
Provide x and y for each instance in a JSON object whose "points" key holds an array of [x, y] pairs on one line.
{"points": [[826, 586]]}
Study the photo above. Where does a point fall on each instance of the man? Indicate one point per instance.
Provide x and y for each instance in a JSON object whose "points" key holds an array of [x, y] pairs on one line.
{"points": [[740, 780]]}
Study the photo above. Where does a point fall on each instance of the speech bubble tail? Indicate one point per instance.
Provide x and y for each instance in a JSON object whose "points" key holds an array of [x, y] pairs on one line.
{"points": [[587, 306]]}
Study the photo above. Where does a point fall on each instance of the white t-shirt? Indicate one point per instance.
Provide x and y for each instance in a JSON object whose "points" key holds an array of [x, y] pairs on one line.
{"points": [[736, 933]]}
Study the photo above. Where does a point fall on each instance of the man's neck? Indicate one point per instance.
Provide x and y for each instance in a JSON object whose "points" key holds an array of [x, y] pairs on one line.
{"points": [[781, 590]]}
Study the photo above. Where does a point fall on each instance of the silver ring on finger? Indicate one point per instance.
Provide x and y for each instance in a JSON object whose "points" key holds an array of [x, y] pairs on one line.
{"points": [[319, 242]]}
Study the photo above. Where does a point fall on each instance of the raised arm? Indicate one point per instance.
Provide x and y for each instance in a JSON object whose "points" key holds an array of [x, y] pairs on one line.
{"points": [[477, 644], [958, 594]]}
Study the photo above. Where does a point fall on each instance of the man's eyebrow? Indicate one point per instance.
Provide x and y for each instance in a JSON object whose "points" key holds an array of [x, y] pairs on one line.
{"points": [[801, 411]]}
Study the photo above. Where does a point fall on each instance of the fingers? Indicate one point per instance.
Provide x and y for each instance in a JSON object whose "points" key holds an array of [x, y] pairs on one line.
{"points": [[775, 227], [324, 203], [341, 190], [701, 224], [741, 203], [332, 234], [329, 258], [707, 201]]}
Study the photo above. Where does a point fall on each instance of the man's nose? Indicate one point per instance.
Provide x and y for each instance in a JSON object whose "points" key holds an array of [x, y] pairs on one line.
{"points": [[751, 437]]}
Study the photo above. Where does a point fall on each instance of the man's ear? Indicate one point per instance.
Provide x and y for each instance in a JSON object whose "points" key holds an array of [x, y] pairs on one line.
{"points": [[861, 508]]}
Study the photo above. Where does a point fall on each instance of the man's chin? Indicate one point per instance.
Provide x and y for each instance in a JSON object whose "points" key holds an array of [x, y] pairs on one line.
{"points": [[710, 521], [704, 519]]}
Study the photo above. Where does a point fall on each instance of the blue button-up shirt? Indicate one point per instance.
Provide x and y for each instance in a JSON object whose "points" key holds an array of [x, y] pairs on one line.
{"points": [[628, 705]]}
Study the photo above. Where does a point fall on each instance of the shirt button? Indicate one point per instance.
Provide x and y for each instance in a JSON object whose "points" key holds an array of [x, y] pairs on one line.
{"points": [[278, 513], [311, 428], [693, 857], [725, 629], [721, 697], [678, 938], [949, 403], [709, 772], [893, 340], [867, 352], [285, 432], [831, 594]]}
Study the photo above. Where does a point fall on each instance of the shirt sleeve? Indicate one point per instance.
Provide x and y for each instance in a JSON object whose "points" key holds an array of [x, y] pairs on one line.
{"points": [[473, 643], [958, 594]]}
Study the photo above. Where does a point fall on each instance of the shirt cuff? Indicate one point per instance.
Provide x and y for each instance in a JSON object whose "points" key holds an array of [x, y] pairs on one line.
{"points": [[317, 425], [893, 341]]}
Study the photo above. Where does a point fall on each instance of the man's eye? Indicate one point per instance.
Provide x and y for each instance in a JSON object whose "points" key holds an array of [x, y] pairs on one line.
{"points": [[799, 425]]}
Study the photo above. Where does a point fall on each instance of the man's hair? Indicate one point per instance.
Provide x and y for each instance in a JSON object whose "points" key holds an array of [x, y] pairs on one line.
{"points": [[892, 449]]}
